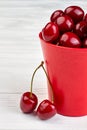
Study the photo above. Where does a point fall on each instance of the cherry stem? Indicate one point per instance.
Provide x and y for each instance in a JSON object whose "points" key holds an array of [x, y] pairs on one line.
{"points": [[49, 83], [33, 77], [41, 65]]}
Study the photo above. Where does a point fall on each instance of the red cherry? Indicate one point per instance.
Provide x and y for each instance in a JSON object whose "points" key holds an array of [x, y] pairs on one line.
{"points": [[65, 23], [81, 29], [50, 32], [70, 39], [46, 110], [84, 43], [28, 102], [85, 17], [75, 12], [55, 15]]}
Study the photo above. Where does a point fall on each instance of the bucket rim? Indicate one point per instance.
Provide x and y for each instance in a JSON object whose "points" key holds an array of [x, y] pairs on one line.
{"points": [[61, 47]]}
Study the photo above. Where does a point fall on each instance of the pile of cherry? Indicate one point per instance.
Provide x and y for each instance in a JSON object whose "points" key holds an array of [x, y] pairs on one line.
{"points": [[67, 28]]}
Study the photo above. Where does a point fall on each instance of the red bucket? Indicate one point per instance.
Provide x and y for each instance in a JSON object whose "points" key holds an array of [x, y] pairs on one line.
{"points": [[67, 70]]}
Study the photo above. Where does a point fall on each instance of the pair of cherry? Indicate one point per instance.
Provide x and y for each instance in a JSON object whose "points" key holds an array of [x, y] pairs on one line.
{"points": [[29, 101]]}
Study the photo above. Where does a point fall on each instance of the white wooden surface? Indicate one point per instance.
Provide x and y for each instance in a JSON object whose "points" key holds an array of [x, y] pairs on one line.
{"points": [[20, 53]]}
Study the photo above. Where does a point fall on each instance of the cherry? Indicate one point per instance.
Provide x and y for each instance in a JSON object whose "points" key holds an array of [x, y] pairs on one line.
{"points": [[70, 39], [85, 17], [65, 23], [55, 15], [84, 43], [50, 32], [46, 110], [81, 29], [75, 12], [28, 102]]}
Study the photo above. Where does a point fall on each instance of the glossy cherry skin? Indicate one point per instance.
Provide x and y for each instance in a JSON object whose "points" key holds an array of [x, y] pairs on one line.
{"points": [[85, 17], [70, 39], [50, 32], [28, 102], [55, 15], [75, 12], [46, 110], [81, 29], [65, 23], [84, 43]]}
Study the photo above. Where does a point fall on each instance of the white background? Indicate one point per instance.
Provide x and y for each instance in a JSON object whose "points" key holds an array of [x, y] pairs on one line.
{"points": [[20, 53]]}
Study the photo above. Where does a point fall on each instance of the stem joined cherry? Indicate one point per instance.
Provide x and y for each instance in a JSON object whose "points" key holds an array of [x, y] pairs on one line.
{"points": [[29, 100]]}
